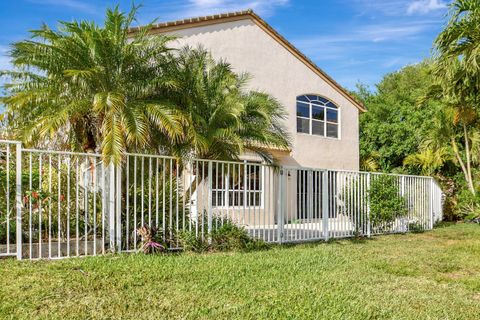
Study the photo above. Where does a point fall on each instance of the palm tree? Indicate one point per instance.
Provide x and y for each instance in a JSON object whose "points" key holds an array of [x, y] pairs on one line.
{"points": [[457, 51], [428, 160], [224, 120], [104, 89], [461, 37], [369, 162], [93, 87], [453, 135], [457, 73]]}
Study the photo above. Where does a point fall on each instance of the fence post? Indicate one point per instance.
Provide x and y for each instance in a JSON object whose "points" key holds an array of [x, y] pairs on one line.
{"points": [[111, 206], [368, 206], [18, 199], [118, 207], [209, 204], [245, 189], [280, 218], [325, 208], [431, 203], [404, 220]]}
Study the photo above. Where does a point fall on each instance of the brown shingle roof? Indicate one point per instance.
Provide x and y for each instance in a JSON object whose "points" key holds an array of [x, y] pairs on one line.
{"points": [[212, 17], [240, 15]]}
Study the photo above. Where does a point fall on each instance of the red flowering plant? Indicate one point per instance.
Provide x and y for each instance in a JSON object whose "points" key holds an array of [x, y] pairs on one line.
{"points": [[148, 235], [36, 198]]}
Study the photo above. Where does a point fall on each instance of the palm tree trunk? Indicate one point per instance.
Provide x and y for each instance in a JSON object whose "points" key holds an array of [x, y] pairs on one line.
{"points": [[467, 153], [462, 165]]}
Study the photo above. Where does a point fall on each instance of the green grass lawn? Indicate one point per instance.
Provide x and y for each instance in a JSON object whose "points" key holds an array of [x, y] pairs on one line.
{"points": [[434, 275]]}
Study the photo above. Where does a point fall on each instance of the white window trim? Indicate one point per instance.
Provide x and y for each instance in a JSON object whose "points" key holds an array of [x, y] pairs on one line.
{"points": [[310, 120], [226, 191]]}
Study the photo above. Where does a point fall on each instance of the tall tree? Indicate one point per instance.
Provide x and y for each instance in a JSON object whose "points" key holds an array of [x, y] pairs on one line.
{"points": [[457, 75], [92, 87], [455, 128], [394, 125], [103, 88]]}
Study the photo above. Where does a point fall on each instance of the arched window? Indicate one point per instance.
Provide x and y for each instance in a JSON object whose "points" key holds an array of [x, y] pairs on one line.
{"points": [[317, 116]]}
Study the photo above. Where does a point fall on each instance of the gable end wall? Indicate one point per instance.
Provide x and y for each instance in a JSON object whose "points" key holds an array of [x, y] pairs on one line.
{"points": [[278, 72]]}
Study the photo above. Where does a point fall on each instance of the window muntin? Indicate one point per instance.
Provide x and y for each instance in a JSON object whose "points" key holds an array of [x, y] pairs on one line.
{"points": [[237, 185], [317, 116]]}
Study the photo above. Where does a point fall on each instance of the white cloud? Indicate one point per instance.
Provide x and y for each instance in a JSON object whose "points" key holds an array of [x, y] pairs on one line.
{"points": [[360, 53], [170, 10], [195, 8], [380, 33], [71, 4], [425, 6], [384, 7], [380, 37], [207, 3], [397, 8], [400, 61], [365, 35]]}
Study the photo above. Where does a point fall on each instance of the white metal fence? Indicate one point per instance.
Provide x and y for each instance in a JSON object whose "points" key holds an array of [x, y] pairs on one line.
{"points": [[56, 204]]}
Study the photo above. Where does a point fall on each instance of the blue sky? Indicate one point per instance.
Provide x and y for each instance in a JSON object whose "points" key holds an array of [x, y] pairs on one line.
{"points": [[352, 40]]}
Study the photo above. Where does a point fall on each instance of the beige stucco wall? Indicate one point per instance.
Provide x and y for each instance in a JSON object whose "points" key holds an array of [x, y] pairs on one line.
{"points": [[276, 71]]}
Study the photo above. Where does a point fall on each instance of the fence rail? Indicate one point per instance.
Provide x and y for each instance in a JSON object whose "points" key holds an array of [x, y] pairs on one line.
{"points": [[56, 204]]}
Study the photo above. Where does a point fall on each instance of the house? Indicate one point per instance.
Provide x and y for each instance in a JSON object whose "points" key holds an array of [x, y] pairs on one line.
{"points": [[92, 207], [322, 117]]}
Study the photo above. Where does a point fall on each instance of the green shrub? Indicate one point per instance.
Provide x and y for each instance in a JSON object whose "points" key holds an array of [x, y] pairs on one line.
{"points": [[231, 237], [386, 203], [223, 237], [3, 230], [415, 227], [468, 205], [189, 241]]}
